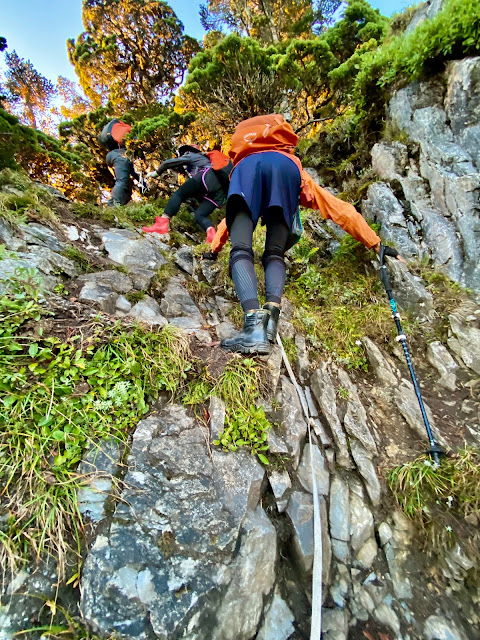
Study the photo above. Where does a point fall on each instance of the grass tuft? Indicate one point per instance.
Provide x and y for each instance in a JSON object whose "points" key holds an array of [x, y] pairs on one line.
{"points": [[22, 200], [443, 501], [58, 394], [337, 301]]}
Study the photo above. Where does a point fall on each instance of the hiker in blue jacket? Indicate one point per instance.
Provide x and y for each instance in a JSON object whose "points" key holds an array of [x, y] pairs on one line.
{"points": [[202, 184]]}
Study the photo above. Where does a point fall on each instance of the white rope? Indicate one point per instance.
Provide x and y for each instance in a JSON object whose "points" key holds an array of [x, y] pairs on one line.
{"points": [[316, 626]]}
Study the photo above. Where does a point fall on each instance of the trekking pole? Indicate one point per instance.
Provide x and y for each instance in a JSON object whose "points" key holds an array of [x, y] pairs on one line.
{"points": [[435, 450]]}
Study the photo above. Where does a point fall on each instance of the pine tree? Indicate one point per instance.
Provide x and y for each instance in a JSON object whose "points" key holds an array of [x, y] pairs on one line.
{"points": [[30, 93], [132, 52], [73, 103], [268, 21]]}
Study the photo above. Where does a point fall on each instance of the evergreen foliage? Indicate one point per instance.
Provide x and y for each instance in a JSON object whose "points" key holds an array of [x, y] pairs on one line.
{"points": [[234, 80], [44, 158], [268, 21], [132, 52], [30, 93]]}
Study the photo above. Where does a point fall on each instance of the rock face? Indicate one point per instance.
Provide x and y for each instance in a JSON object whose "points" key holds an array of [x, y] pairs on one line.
{"points": [[169, 554], [433, 206]]}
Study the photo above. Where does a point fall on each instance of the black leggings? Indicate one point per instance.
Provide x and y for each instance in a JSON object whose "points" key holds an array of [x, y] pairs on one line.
{"points": [[241, 255], [192, 188]]}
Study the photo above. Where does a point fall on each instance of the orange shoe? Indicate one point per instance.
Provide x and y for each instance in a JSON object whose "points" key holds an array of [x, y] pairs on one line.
{"points": [[210, 234], [161, 226]]}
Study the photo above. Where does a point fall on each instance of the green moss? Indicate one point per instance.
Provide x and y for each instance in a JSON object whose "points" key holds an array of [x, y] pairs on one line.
{"points": [[290, 349], [135, 296], [79, 257], [29, 202], [200, 290], [162, 277]]}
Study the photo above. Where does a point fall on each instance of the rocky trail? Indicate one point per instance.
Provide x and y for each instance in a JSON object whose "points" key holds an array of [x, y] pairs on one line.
{"points": [[189, 541]]}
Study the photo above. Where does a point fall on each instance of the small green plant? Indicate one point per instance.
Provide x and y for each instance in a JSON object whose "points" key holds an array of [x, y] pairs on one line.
{"points": [[79, 257], [57, 395], [336, 304], [290, 349], [60, 289], [245, 424], [162, 277], [343, 393], [59, 623], [441, 499], [199, 289]]}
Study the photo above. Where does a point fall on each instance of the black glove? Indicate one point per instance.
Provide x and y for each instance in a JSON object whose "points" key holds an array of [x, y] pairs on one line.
{"points": [[209, 255], [390, 251]]}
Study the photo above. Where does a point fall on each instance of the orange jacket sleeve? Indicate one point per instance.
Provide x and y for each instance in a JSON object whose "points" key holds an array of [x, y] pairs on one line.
{"points": [[313, 196], [221, 237]]}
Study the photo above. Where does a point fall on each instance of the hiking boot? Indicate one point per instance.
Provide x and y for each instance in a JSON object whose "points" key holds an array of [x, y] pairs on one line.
{"points": [[161, 226], [210, 234], [253, 337], [272, 321]]}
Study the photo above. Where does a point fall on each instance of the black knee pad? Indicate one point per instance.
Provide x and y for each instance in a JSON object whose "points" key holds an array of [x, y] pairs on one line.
{"points": [[272, 255], [239, 253]]}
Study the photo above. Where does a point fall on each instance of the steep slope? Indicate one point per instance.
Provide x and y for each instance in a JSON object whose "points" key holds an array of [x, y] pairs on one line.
{"points": [[183, 537]]}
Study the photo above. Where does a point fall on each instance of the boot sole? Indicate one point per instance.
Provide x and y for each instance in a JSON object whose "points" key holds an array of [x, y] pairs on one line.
{"points": [[261, 348]]}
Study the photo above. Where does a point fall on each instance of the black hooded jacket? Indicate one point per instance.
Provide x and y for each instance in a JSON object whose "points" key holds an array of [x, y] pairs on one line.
{"points": [[194, 163]]}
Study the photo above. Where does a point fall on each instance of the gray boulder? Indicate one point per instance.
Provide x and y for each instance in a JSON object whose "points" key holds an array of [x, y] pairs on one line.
{"points": [[409, 292], [35, 233], [278, 622], [253, 577], [130, 249], [382, 206], [117, 281], [186, 545], [184, 259], [426, 11], [148, 312], [178, 303], [465, 341], [389, 159], [439, 357], [9, 239], [381, 367], [304, 471], [99, 294], [324, 392]]}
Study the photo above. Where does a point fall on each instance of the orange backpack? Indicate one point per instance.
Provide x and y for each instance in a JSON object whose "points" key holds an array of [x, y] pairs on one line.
{"points": [[218, 159], [262, 133]]}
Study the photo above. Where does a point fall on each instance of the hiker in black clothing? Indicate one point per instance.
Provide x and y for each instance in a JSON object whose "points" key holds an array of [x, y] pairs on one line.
{"points": [[112, 138], [123, 168], [202, 184]]}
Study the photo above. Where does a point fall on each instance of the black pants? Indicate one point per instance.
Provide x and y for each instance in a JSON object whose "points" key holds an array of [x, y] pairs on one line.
{"points": [[193, 188], [241, 256]]}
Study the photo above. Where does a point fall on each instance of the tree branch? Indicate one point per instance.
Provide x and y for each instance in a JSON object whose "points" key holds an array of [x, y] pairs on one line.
{"points": [[313, 121]]}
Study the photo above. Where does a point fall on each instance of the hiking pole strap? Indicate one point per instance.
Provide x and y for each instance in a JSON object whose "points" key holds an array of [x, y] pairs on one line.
{"points": [[384, 277]]}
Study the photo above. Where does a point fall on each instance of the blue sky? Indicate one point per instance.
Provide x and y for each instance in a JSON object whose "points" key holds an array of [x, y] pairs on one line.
{"points": [[38, 29]]}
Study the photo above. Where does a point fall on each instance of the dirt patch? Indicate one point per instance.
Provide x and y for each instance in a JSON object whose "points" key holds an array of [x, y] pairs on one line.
{"points": [[370, 630], [213, 358]]}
